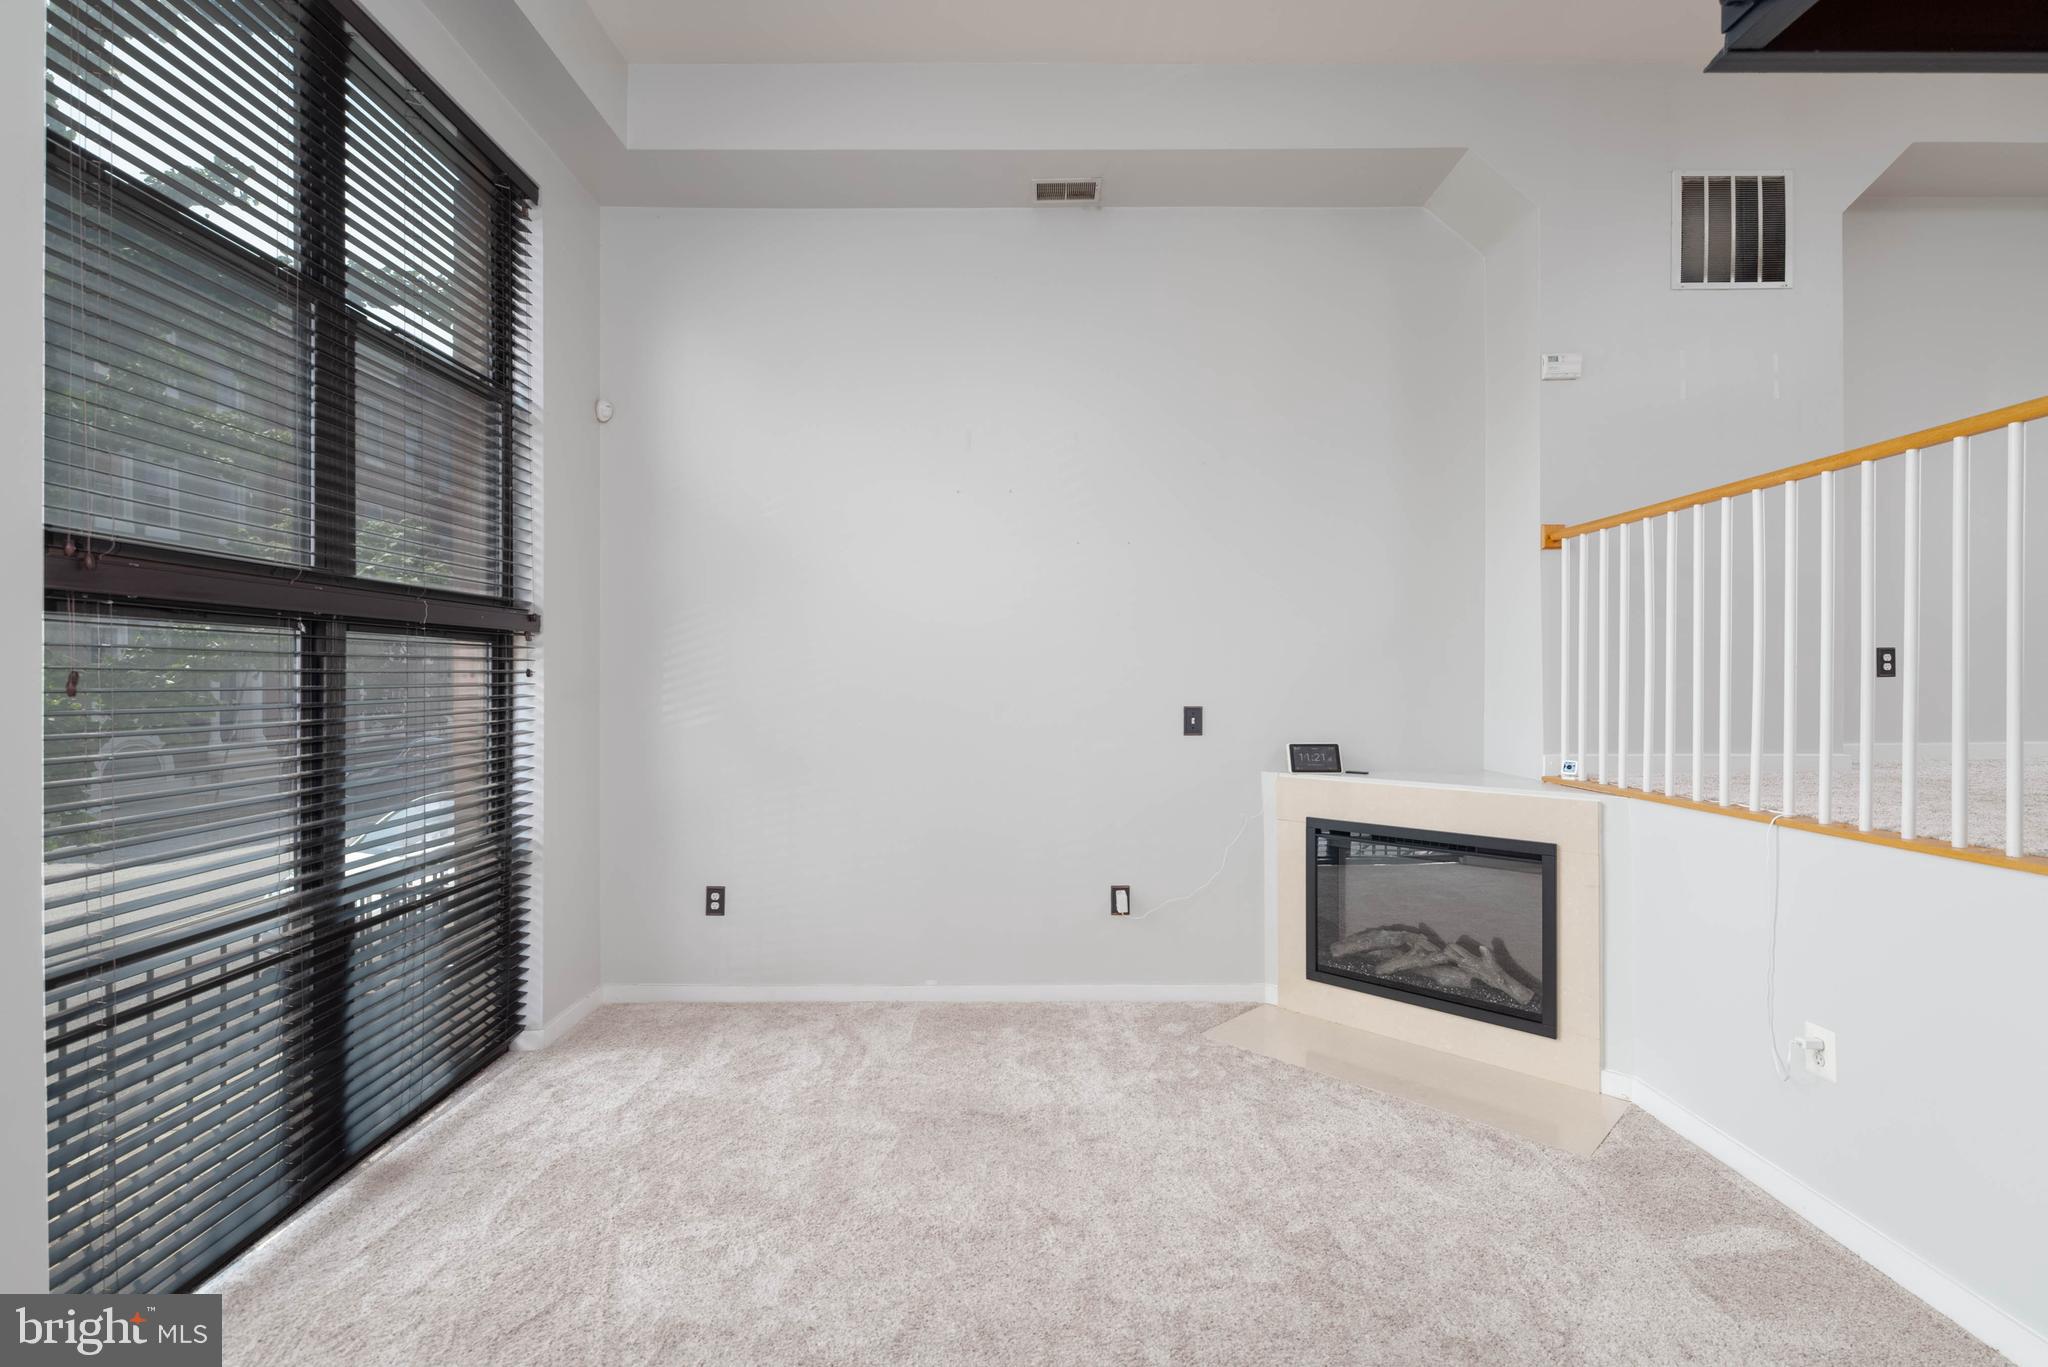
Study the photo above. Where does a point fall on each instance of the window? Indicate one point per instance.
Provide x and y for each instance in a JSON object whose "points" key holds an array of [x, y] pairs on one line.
{"points": [[289, 600], [1730, 232]]}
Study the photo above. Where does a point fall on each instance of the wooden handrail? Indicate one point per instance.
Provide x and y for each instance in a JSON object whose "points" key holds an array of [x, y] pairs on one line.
{"points": [[1555, 535], [1970, 854]]}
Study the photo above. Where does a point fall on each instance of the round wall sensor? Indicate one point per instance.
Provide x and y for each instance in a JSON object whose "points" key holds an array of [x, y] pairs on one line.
{"points": [[604, 410]]}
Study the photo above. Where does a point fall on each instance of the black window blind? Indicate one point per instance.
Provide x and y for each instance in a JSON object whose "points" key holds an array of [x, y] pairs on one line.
{"points": [[289, 487]]}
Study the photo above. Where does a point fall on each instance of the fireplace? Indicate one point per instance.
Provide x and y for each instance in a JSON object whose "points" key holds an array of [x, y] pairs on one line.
{"points": [[1454, 922]]}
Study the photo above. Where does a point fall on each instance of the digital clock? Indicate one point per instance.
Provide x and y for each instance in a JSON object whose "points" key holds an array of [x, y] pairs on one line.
{"points": [[1314, 759]]}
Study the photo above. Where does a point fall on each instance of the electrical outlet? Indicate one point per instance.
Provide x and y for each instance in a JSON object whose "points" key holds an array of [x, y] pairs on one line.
{"points": [[714, 901], [1887, 662], [1120, 900], [1821, 1061], [1191, 721]]}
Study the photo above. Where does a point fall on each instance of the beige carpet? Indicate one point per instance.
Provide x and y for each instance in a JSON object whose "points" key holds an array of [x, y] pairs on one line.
{"points": [[1932, 791], [912, 1184]]}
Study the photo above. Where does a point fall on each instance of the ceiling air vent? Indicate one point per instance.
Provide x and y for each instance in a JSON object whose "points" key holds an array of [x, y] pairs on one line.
{"points": [[1069, 191], [1730, 232]]}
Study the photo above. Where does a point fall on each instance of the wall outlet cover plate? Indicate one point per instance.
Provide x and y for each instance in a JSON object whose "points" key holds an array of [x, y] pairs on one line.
{"points": [[1823, 1064]]}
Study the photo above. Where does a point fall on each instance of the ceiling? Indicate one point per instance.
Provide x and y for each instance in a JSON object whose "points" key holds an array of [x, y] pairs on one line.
{"points": [[1221, 31], [1975, 170]]}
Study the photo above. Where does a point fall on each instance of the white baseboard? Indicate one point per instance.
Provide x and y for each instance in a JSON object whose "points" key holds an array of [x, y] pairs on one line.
{"points": [[1249, 993], [565, 1020], [1977, 1316]]}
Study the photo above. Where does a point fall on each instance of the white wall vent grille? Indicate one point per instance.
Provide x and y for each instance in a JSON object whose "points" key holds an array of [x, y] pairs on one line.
{"points": [[1069, 191], [1730, 232]]}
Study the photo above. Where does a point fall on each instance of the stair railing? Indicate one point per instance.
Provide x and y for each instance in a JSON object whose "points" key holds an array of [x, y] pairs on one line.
{"points": [[1618, 655]]}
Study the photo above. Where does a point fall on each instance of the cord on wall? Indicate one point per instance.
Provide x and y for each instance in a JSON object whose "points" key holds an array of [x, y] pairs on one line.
{"points": [[1243, 826], [1779, 1056]]}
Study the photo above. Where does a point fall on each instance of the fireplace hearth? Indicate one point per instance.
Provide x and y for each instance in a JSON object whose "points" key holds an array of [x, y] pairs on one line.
{"points": [[1450, 921]]}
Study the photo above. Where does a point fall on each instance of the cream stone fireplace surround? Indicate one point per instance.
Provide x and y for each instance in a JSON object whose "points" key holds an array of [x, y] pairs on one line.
{"points": [[1544, 1088], [1568, 822]]}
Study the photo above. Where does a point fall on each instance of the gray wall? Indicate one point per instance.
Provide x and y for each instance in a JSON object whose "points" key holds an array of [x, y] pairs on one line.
{"points": [[923, 525], [1915, 963], [1945, 314], [24, 1244], [1499, 224]]}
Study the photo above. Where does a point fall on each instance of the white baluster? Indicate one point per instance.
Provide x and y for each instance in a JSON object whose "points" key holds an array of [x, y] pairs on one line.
{"points": [[2015, 603], [1791, 699], [1621, 663], [1959, 644], [1825, 811], [1564, 653], [1670, 648], [1600, 684], [1649, 640], [1866, 659], [1756, 650], [1699, 650], [1584, 636], [1726, 603], [1909, 663]]}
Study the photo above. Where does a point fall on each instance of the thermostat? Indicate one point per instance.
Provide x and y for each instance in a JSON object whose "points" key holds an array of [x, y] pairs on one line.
{"points": [[1563, 365]]}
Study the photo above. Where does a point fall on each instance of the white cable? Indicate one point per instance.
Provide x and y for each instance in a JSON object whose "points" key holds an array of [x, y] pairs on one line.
{"points": [[1778, 1057], [1189, 897]]}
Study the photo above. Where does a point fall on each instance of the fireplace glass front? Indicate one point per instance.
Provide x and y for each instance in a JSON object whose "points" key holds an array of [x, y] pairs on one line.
{"points": [[1456, 922]]}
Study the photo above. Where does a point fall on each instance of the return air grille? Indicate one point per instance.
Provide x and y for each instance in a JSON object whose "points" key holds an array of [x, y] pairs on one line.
{"points": [[1730, 232], [1069, 191]]}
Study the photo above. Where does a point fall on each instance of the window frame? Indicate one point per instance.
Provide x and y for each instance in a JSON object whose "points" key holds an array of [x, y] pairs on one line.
{"points": [[323, 599], [326, 585]]}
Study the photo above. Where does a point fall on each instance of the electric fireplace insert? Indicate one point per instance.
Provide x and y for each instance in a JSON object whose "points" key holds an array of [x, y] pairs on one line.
{"points": [[1454, 922]]}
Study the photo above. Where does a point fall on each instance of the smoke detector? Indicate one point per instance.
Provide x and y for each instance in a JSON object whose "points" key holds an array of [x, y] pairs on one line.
{"points": [[1069, 192]]}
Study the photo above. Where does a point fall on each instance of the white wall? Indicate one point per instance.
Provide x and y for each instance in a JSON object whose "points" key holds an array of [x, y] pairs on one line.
{"points": [[24, 1228], [1683, 389], [1945, 314], [1927, 972], [921, 527], [1500, 225], [1943, 309]]}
